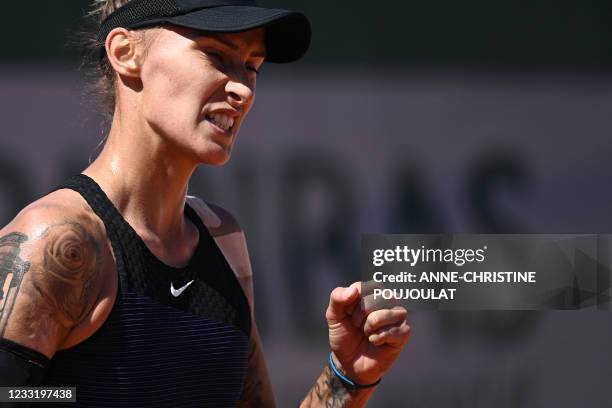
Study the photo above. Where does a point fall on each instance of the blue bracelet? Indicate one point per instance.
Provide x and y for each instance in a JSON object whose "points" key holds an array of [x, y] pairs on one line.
{"points": [[347, 380]]}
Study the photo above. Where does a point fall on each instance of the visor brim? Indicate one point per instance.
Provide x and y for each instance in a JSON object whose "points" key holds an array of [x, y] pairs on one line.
{"points": [[288, 33]]}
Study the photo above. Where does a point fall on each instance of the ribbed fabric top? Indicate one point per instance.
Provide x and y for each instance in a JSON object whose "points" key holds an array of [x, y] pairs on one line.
{"points": [[155, 349]]}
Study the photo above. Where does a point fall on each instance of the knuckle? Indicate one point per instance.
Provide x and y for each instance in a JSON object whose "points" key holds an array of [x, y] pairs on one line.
{"points": [[400, 318], [404, 333], [400, 309], [335, 294], [373, 320]]}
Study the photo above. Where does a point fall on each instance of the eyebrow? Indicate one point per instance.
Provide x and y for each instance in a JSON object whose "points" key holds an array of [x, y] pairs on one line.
{"points": [[231, 45]]}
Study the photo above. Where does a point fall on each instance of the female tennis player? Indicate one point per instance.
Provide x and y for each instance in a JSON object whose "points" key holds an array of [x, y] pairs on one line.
{"points": [[117, 282]]}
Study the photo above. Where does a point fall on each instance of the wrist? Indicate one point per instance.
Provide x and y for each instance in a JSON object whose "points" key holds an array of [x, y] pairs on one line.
{"points": [[330, 390], [350, 379]]}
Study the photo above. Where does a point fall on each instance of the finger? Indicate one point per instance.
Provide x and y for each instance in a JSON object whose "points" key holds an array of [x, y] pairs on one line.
{"points": [[355, 306], [394, 336], [371, 302], [367, 288], [360, 313], [385, 317], [341, 301], [358, 316]]}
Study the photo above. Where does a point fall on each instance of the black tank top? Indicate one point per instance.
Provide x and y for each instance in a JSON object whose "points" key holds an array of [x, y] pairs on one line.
{"points": [[174, 337]]}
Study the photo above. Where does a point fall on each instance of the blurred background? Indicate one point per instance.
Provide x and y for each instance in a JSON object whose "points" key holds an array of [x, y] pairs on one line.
{"points": [[405, 117]]}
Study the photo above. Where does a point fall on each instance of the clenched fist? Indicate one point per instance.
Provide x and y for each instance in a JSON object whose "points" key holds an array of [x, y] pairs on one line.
{"points": [[365, 342]]}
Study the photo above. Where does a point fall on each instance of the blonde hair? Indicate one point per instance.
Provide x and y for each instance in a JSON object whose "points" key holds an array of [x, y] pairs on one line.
{"points": [[99, 69]]}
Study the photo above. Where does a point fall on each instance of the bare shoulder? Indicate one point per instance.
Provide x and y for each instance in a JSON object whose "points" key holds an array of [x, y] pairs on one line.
{"points": [[229, 237], [56, 207], [217, 219], [51, 256]]}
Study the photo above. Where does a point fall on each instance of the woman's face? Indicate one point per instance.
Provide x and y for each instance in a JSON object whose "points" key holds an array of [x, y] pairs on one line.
{"points": [[198, 88]]}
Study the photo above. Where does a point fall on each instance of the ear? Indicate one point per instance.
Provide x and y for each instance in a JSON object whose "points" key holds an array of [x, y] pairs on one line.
{"points": [[123, 52]]}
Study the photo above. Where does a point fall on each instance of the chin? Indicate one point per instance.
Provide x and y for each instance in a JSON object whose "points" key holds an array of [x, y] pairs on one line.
{"points": [[218, 157]]}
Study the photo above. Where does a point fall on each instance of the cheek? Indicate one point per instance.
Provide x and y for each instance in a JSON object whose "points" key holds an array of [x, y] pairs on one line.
{"points": [[175, 90]]}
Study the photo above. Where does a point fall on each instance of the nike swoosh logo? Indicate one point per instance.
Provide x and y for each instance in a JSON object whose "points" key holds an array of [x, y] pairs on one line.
{"points": [[179, 291]]}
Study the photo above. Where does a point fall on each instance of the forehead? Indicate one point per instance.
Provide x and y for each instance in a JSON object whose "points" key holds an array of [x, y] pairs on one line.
{"points": [[252, 41]]}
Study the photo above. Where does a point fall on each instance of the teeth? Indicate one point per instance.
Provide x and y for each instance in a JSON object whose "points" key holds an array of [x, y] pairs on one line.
{"points": [[225, 122]]}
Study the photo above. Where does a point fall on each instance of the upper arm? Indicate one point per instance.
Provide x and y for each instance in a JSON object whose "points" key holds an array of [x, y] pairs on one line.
{"points": [[49, 270], [257, 390], [230, 239]]}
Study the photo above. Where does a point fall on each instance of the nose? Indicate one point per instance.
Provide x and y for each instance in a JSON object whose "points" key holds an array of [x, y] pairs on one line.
{"points": [[240, 92]]}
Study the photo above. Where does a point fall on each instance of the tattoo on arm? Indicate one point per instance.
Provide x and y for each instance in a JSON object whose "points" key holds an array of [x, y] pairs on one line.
{"points": [[329, 391], [68, 270], [12, 270], [62, 275]]}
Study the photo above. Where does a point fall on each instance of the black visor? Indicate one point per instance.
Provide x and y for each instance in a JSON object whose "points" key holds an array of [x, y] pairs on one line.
{"points": [[287, 32]]}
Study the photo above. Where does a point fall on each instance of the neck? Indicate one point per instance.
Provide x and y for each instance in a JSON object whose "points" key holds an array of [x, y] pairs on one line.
{"points": [[145, 179]]}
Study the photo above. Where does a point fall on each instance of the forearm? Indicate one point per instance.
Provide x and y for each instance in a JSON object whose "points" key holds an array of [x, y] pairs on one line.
{"points": [[257, 390], [330, 392]]}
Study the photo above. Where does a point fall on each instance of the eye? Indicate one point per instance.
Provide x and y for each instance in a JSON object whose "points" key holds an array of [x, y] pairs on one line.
{"points": [[217, 56]]}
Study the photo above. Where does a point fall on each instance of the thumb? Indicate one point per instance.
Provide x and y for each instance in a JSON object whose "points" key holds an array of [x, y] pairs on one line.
{"points": [[341, 301]]}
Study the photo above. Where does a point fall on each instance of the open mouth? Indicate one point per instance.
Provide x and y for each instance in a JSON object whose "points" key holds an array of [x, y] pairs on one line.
{"points": [[222, 121]]}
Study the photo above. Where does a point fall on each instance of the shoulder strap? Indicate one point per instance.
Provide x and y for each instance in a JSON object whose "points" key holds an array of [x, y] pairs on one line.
{"points": [[124, 239], [225, 280], [95, 197]]}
